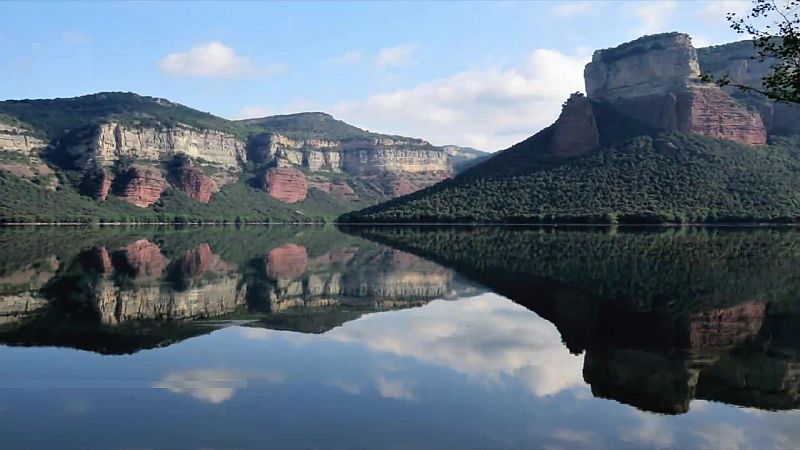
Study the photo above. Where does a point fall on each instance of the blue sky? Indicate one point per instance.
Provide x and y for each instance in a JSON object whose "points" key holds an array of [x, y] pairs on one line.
{"points": [[480, 74]]}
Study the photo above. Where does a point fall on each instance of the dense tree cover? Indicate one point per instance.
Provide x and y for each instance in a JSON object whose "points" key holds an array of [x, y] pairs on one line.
{"points": [[312, 125], [663, 178], [55, 116], [678, 270]]}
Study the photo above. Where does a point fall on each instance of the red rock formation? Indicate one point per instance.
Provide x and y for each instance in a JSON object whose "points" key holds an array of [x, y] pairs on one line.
{"points": [[286, 262], [194, 182], [336, 188], [104, 187], [141, 260], [726, 327], [709, 111], [394, 185], [286, 184], [576, 129], [144, 186]]}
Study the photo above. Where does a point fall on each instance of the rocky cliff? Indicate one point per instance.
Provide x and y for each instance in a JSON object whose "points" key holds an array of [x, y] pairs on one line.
{"points": [[142, 186], [286, 184], [575, 132], [115, 140], [194, 182], [656, 80], [740, 61], [19, 139], [322, 147]]}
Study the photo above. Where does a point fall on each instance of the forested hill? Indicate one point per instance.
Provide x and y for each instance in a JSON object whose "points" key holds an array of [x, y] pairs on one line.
{"points": [[666, 177], [649, 142]]}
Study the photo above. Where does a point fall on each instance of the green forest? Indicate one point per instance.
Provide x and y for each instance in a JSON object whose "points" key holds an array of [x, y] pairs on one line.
{"points": [[660, 178]]}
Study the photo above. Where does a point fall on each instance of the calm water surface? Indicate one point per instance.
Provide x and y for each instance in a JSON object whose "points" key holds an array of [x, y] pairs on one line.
{"points": [[303, 337]]}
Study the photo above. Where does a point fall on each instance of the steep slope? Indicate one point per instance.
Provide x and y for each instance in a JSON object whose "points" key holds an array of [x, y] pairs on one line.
{"points": [[172, 162], [650, 143], [329, 155]]}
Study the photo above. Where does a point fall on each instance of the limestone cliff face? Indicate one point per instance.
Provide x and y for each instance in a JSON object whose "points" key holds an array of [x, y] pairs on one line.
{"points": [[647, 66], [412, 164], [18, 139], [655, 79], [114, 140]]}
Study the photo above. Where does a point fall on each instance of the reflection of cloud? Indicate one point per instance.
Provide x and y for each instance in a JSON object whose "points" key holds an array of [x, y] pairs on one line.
{"points": [[723, 436], [583, 438], [651, 431], [486, 337], [347, 387], [214, 385], [394, 389]]}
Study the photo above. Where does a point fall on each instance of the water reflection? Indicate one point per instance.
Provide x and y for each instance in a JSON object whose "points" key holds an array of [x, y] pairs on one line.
{"points": [[488, 337]]}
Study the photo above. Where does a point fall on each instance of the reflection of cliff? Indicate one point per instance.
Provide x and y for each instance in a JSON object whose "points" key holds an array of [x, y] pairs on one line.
{"points": [[143, 290], [662, 318], [316, 294]]}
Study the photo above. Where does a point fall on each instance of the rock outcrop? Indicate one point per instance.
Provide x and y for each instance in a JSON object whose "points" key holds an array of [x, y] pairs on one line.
{"points": [[337, 188], [740, 61], [575, 132], [18, 139], [194, 182], [286, 184], [143, 186], [656, 80], [413, 162], [114, 140]]}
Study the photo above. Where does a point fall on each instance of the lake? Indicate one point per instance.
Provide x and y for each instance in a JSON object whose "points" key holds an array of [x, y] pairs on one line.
{"points": [[399, 337]]}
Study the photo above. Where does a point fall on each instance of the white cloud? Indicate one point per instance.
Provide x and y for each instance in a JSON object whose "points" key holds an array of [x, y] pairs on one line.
{"points": [[653, 16], [351, 57], [718, 10], [215, 60], [489, 107], [488, 338], [397, 56], [574, 8]]}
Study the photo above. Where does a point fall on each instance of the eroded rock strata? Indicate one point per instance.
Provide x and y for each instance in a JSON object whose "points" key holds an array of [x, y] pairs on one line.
{"points": [[143, 186], [286, 184], [656, 79]]}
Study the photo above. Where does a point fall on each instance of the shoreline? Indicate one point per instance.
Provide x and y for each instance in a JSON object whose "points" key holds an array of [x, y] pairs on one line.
{"points": [[415, 224]]}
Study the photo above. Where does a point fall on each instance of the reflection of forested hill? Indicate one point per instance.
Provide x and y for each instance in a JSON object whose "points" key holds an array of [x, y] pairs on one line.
{"points": [[662, 316], [139, 288]]}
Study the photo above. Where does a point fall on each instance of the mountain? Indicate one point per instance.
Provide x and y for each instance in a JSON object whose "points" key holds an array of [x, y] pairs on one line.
{"points": [[649, 142], [465, 157], [123, 157]]}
